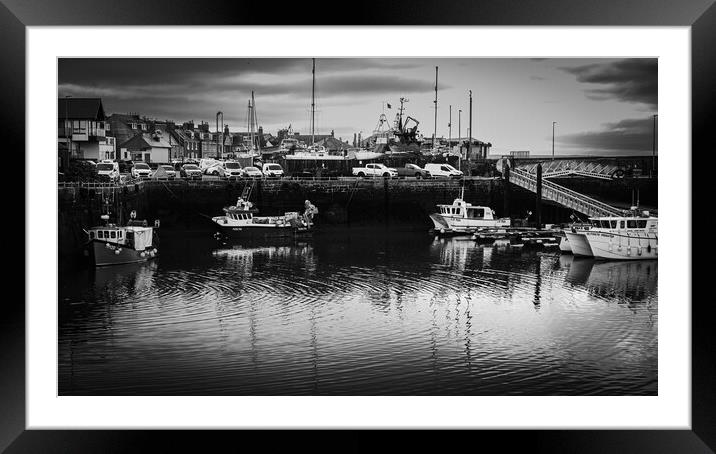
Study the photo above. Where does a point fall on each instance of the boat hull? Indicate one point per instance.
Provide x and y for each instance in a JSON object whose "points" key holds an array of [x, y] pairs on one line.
{"points": [[579, 244], [458, 224], [251, 232], [101, 254], [564, 245], [616, 246]]}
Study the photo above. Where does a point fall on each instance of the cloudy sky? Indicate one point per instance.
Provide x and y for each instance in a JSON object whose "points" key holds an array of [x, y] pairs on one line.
{"points": [[601, 106]]}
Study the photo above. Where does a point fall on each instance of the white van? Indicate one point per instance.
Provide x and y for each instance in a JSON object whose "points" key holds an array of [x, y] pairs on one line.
{"points": [[443, 170], [271, 169], [108, 168]]}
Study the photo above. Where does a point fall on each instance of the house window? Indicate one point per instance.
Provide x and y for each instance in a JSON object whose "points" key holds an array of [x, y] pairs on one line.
{"points": [[133, 125]]}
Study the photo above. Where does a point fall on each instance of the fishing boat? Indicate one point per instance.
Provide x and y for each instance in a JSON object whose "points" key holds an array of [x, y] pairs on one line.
{"points": [[111, 244], [241, 221], [624, 237], [463, 217]]}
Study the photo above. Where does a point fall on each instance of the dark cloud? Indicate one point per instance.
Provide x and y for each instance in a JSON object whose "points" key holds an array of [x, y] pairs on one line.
{"points": [[195, 88], [630, 80], [630, 135]]}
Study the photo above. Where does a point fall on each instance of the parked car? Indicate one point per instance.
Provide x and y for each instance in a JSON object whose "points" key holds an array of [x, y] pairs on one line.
{"points": [[125, 166], [412, 170], [165, 171], [252, 172], [109, 170], [273, 170], [216, 168], [443, 171], [232, 169], [141, 170], [375, 170], [191, 171]]}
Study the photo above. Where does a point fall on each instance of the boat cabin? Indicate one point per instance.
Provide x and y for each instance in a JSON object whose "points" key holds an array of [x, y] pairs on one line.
{"points": [[135, 237], [624, 223], [462, 209]]}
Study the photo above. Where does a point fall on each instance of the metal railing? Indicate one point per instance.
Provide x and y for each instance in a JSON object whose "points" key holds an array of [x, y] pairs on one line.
{"points": [[559, 168], [564, 196]]}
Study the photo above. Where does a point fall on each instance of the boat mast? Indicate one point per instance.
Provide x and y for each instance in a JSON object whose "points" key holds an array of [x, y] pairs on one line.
{"points": [[435, 132], [255, 122], [249, 125], [313, 103]]}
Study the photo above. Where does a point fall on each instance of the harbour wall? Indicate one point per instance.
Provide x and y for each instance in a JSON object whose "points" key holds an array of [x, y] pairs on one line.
{"points": [[189, 205]]}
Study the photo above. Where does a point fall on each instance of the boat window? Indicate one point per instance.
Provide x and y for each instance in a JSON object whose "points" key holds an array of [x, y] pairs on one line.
{"points": [[113, 234], [621, 224], [119, 234], [476, 213], [641, 223], [595, 223], [91, 234], [99, 234], [614, 224], [631, 224]]}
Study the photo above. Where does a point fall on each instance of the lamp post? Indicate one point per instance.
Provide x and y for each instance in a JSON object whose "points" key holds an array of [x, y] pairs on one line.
{"points": [[553, 123], [653, 148]]}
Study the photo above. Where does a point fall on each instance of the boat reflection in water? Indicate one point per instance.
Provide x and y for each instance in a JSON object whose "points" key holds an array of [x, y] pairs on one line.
{"points": [[359, 312]]}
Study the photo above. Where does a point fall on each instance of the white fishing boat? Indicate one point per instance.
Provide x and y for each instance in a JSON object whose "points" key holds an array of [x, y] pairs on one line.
{"points": [[463, 217], [240, 221], [624, 237]]}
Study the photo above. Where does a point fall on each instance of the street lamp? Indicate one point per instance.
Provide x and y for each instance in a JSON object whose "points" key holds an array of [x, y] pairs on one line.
{"points": [[553, 123]]}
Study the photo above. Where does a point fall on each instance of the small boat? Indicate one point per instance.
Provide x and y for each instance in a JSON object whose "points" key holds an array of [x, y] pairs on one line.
{"points": [[111, 244], [463, 217], [240, 221]]}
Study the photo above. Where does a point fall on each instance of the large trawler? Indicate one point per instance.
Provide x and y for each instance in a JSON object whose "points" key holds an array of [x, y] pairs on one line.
{"points": [[111, 244]]}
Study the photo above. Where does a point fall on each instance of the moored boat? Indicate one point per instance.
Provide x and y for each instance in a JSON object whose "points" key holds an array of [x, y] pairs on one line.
{"points": [[463, 217], [111, 244], [624, 237], [241, 221]]}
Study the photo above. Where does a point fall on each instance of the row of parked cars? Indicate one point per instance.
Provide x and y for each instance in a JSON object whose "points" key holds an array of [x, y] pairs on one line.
{"points": [[112, 170], [410, 170]]}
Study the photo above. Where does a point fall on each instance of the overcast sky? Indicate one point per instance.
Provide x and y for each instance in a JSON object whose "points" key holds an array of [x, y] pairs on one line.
{"points": [[601, 106]]}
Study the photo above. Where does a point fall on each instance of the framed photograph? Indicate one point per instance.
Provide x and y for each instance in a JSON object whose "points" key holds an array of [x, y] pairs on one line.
{"points": [[442, 219]]}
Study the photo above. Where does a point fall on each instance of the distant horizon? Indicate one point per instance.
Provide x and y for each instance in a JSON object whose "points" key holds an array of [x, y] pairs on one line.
{"points": [[600, 106]]}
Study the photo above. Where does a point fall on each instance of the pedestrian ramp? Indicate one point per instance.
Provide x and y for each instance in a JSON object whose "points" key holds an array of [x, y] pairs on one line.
{"points": [[561, 195]]}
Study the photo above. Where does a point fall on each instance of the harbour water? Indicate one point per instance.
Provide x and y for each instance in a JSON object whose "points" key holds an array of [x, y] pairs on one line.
{"points": [[370, 311]]}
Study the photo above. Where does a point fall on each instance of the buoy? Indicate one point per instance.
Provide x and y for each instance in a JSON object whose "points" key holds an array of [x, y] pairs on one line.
{"points": [[142, 254], [116, 252]]}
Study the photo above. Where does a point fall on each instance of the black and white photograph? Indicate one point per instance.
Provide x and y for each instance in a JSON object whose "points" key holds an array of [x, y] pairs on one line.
{"points": [[335, 226]]}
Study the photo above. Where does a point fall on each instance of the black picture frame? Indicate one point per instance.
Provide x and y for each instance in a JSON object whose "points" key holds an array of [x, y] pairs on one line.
{"points": [[700, 15]]}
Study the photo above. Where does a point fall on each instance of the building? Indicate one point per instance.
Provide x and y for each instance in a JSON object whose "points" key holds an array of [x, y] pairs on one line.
{"points": [[520, 154], [153, 147], [126, 126], [81, 130]]}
